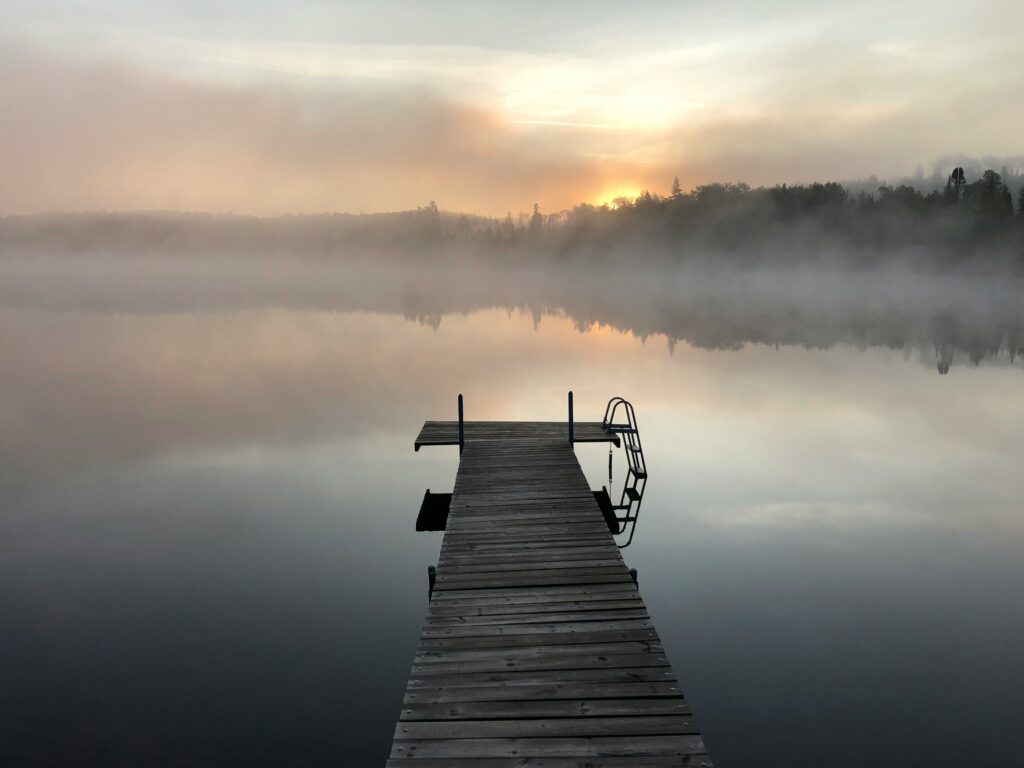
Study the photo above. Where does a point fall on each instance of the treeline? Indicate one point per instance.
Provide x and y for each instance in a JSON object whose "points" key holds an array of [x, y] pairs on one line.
{"points": [[968, 222], [203, 234]]}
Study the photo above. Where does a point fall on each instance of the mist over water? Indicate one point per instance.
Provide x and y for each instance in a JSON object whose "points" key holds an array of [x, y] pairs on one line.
{"points": [[975, 312], [208, 494]]}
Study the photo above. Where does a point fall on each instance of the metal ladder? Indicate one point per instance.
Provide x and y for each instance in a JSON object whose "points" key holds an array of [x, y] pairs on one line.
{"points": [[636, 476]]}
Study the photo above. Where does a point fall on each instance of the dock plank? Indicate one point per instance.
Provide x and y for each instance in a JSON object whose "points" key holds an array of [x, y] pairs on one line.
{"points": [[595, 691], [637, 761], [608, 746], [447, 432]]}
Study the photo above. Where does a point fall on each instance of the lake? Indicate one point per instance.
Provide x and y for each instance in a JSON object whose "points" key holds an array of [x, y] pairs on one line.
{"points": [[208, 492]]}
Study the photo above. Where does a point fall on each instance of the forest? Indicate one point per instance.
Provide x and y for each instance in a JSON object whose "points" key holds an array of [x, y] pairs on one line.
{"points": [[972, 223]]}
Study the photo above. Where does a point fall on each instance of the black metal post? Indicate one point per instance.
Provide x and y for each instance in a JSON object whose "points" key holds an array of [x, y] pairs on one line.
{"points": [[462, 428], [571, 436]]}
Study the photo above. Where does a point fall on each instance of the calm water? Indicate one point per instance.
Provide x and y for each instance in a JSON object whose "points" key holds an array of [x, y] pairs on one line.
{"points": [[208, 555]]}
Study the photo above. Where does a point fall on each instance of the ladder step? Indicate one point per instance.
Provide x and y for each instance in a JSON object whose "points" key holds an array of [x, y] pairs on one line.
{"points": [[635, 448], [622, 428], [639, 473], [633, 493], [621, 506]]}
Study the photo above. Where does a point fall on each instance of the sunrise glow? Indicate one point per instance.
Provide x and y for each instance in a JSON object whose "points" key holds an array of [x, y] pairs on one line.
{"points": [[613, 195], [345, 108]]}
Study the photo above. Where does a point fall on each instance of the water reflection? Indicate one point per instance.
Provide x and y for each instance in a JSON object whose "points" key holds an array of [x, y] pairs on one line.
{"points": [[92, 389], [946, 319], [208, 495]]}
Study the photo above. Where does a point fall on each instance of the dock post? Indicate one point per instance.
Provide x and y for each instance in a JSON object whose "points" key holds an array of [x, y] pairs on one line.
{"points": [[571, 440], [462, 428]]}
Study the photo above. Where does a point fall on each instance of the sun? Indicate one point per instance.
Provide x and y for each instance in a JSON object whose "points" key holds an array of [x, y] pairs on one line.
{"points": [[609, 195]]}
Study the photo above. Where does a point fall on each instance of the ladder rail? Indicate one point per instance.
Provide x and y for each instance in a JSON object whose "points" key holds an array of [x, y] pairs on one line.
{"points": [[630, 433], [636, 475]]}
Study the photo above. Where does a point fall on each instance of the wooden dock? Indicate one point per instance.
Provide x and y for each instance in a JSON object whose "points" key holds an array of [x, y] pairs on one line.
{"points": [[447, 432], [537, 649]]}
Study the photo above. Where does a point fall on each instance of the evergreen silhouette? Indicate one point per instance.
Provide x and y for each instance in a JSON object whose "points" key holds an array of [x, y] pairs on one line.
{"points": [[536, 220], [955, 185]]}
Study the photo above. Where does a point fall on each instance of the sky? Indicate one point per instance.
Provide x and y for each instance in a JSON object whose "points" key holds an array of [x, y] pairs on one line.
{"points": [[273, 108]]}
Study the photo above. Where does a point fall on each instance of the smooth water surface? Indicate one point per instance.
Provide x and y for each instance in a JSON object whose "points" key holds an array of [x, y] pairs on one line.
{"points": [[207, 552]]}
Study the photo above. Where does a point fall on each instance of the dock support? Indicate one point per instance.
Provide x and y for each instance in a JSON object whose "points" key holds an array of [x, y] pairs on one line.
{"points": [[462, 427], [571, 436]]}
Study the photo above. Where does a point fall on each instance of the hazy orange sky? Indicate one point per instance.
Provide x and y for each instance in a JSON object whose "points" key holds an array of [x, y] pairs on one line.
{"points": [[485, 107]]}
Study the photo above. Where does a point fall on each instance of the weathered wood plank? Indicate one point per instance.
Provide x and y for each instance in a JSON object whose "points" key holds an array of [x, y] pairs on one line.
{"points": [[608, 746], [573, 591], [541, 727], [531, 532], [594, 690], [634, 761], [490, 710], [518, 641], [537, 651], [537, 618], [534, 677], [466, 606], [533, 608], [583, 568], [526, 544], [537, 580], [501, 663], [447, 432], [553, 628]]}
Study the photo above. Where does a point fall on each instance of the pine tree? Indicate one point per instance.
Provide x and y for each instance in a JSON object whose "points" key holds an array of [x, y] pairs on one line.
{"points": [[536, 220], [677, 191], [955, 185]]}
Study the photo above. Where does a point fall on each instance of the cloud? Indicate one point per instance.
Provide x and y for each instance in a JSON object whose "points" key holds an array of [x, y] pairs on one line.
{"points": [[79, 136], [146, 119]]}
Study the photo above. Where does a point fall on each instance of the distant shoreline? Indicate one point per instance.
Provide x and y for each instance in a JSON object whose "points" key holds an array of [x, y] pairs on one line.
{"points": [[965, 226]]}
